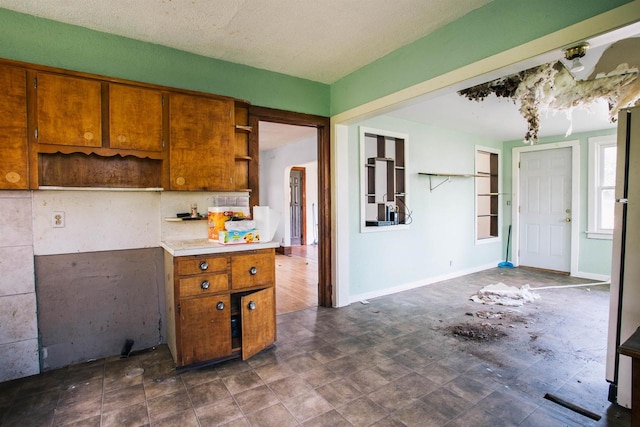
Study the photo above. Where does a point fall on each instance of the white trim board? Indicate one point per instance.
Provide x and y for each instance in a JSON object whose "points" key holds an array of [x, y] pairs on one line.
{"points": [[420, 283], [592, 276]]}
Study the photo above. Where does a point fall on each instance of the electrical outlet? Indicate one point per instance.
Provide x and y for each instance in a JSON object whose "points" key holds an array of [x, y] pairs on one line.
{"points": [[57, 219]]}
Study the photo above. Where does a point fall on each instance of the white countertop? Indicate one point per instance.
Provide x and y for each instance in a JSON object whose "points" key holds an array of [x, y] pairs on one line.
{"points": [[204, 246]]}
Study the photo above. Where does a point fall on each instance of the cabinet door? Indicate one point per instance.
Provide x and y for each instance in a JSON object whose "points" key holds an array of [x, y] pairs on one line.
{"points": [[258, 321], [68, 111], [205, 328], [201, 153], [13, 122], [135, 118]]}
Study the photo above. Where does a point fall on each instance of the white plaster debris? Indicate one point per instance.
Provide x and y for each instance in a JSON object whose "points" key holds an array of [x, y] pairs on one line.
{"points": [[502, 294]]}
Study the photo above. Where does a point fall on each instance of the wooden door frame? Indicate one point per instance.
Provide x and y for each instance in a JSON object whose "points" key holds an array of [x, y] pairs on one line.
{"points": [[322, 125], [303, 202]]}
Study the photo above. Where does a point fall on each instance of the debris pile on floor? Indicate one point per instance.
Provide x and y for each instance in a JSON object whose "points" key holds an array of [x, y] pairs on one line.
{"points": [[505, 295], [490, 314], [478, 331]]}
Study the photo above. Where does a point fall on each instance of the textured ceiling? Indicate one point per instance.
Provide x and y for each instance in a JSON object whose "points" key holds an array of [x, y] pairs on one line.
{"points": [[499, 118], [320, 40]]}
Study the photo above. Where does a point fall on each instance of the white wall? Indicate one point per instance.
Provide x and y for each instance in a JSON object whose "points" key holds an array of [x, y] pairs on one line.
{"points": [[18, 324], [275, 166], [95, 221], [311, 175], [440, 242]]}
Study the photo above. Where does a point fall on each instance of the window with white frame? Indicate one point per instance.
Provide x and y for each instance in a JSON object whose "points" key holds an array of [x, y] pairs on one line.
{"points": [[602, 185]]}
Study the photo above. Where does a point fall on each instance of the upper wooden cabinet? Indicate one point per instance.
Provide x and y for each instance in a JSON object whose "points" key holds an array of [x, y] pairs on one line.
{"points": [[14, 171], [68, 110], [135, 118], [62, 128], [200, 148]]}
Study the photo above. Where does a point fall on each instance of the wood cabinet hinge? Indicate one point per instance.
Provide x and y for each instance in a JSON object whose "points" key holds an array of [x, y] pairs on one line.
{"points": [[178, 308], [35, 82], [36, 133], [163, 143]]}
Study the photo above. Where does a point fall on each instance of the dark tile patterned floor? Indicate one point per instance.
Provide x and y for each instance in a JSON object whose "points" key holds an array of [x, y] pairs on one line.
{"points": [[392, 362]]}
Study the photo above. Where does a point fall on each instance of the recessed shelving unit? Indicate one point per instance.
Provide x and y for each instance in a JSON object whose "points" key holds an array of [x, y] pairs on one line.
{"points": [[245, 161], [383, 179], [487, 194]]}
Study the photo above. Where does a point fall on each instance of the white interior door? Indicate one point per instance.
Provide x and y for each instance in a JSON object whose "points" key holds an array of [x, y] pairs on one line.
{"points": [[545, 209]]}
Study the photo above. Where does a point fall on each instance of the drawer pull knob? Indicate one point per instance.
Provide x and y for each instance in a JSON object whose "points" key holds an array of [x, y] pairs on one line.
{"points": [[251, 305], [204, 265], [220, 306], [205, 285], [253, 271]]}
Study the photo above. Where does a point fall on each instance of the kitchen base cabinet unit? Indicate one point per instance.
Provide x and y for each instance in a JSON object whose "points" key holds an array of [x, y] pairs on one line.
{"points": [[220, 301]]}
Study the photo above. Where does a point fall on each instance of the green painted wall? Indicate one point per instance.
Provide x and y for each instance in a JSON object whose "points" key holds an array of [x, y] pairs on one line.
{"points": [[40, 41], [477, 35], [594, 254], [496, 27], [441, 239]]}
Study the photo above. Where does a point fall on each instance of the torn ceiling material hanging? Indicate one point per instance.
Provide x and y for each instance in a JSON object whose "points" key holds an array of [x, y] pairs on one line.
{"points": [[552, 88]]}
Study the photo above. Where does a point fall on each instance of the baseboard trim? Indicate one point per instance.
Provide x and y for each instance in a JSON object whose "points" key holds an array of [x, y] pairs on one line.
{"points": [[592, 276], [419, 283]]}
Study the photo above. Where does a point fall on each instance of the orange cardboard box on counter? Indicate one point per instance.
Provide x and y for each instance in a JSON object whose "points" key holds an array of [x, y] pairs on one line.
{"points": [[219, 215]]}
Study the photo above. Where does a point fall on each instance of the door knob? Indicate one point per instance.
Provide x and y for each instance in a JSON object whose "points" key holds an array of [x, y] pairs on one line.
{"points": [[567, 220], [253, 271], [205, 285], [204, 265], [251, 305], [220, 306]]}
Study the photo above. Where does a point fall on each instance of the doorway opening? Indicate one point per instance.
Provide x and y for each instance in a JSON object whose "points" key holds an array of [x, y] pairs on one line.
{"points": [[294, 181]]}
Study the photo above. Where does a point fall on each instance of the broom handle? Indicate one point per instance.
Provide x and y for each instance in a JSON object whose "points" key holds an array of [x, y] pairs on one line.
{"points": [[508, 241]]}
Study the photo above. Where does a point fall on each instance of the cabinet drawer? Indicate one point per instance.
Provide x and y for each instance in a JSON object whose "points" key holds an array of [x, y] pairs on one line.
{"points": [[204, 284], [253, 270], [201, 265]]}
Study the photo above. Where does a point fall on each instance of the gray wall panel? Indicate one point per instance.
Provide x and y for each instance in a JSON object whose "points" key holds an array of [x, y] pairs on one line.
{"points": [[90, 303]]}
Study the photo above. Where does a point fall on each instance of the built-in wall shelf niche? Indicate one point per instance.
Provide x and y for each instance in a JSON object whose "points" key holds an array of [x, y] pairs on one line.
{"points": [[383, 180], [487, 194]]}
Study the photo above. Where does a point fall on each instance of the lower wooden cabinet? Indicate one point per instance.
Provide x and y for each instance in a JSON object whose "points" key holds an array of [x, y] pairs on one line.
{"points": [[220, 306]]}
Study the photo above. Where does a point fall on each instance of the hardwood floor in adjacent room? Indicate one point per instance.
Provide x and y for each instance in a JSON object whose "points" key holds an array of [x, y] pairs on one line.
{"points": [[297, 279]]}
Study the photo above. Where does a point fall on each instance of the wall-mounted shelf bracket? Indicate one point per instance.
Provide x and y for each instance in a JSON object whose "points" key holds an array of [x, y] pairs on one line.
{"points": [[447, 178]]}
